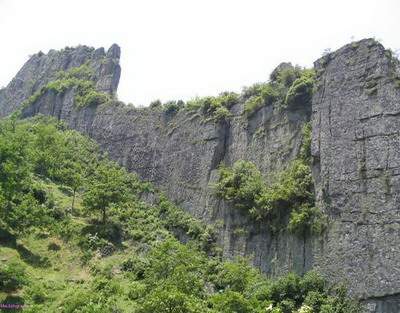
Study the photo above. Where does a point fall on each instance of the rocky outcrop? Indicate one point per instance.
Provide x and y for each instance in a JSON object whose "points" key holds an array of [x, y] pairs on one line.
{"points": [[356, 148], [180, 153], [42, 68], [355, 116]]}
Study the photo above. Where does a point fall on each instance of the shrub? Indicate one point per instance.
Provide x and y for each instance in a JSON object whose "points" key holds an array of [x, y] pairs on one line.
{"points": [[12, 276], [215, 108], [288, 75], [171, 107], [306, 220], [86, 97], [136, 290], [300, 92], [136, 265], [37, 292], [160, 300], [174, 265], [291, 193], [236, 276], [155, 104], [79, 78], [231, 301], [85, 300], [260, 95], [293, 187], [221, 113], [241, 185]]}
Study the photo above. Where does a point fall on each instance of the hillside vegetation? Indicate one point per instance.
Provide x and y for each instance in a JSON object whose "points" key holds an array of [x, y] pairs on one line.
{"points": [[78, 233]]}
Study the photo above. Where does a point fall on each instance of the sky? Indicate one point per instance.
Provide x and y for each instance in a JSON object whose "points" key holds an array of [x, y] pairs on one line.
{"points": [[180, 49]]}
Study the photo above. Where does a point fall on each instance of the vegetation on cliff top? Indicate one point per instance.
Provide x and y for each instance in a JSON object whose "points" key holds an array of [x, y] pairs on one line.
{"points": [[289, 87], [76, 236], [78, 78]]}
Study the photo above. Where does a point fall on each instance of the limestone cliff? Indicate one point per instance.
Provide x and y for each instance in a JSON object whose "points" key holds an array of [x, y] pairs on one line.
{"points": [[355, 119], [356, 148], [42, 68]]}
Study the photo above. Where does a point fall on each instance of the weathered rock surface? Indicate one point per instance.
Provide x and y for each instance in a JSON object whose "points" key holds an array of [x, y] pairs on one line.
{"points": [[42, 68], [356, 147], [356, 150]]}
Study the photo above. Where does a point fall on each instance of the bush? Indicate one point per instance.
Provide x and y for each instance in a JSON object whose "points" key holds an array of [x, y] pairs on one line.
{"points": [[174, 265], [236, 276], [12, 276], [292, 192], [86, 98], [160, 300], [287, 75], [136, 290], [300, 92], [85, 300], [306, 220], [261, 95], [37, 292], [231, 301], [215, 108], [79, 78], [171, 107], [155, 104], [241, 185], [135, 265]]}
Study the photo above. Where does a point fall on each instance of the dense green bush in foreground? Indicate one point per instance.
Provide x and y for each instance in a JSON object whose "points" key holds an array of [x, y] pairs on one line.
{"points": [[76, 237]]}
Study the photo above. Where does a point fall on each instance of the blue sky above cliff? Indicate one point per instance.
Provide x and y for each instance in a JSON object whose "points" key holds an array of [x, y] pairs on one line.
{"points": [[178, 49]]}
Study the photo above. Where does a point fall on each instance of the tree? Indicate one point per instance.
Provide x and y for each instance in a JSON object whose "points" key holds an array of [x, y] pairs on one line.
{"points": [[106, 188], [73, 176]]}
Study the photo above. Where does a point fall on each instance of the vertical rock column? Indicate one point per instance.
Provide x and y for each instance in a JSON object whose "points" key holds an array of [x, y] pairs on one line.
{"points": [[356, 149]]}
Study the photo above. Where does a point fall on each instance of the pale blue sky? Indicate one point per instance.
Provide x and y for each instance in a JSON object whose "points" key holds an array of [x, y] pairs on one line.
{"points": [[178, 49]]}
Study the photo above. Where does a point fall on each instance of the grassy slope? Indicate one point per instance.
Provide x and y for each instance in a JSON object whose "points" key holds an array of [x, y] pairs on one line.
{"points": [[62, 270]]}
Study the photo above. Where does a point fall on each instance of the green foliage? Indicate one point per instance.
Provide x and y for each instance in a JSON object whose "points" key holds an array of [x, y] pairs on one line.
{"points": [[287, 75], [155, 104], [77, 78], [231, 301], [172, 107], [19, 208], [300, 92], [289, 87], [242, 184], [216, 108], [44, 167], [173, 264], [237, 276], [307, 219], [107, 187], [292, 188], [162, 301], [12, 276], [261, 95], [305, 149], [292, 192]]}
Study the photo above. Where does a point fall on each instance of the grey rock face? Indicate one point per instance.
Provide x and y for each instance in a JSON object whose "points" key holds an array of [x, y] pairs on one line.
{"points": [[356, 146], [42, 68], [181, 154], [356, 150]]}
